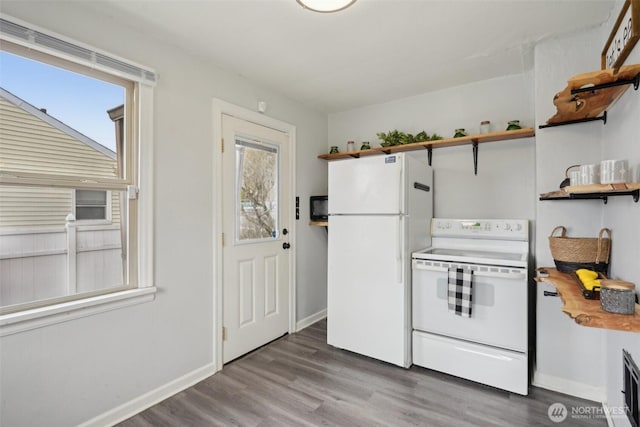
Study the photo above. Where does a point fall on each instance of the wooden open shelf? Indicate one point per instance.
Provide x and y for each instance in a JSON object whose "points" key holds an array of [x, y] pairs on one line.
{"points": [[588, 95], [319, 223], [588, 312], [440, 143], [596, 191]]}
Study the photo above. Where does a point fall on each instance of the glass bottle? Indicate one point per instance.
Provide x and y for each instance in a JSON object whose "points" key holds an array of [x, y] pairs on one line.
{"points": [[485, 126], [365, 145], [333, 149], [351, 146]]}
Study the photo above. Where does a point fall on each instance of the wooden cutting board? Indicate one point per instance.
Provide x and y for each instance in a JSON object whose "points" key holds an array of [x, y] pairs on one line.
{"points": [[590, 104]]}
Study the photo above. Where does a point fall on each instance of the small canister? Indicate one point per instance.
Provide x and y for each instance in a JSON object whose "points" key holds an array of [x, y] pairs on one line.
{"points": [[575, 178], [613, 171], [590, 174], [351, 146], [485, 126], [618, 296]]}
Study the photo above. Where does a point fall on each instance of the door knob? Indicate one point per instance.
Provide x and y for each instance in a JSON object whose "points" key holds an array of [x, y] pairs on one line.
{"points": [[286, 245], [285, 231]]}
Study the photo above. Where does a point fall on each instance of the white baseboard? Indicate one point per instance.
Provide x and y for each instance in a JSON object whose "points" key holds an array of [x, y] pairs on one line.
{"points": [[149, 399], [573, 388], [310, 320]]}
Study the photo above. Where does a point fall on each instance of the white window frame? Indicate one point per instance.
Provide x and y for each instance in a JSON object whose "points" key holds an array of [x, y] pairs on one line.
{"points": [[139, 186]]}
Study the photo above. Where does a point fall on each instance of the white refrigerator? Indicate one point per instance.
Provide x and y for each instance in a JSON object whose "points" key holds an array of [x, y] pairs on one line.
{"points": [[380, 208]]}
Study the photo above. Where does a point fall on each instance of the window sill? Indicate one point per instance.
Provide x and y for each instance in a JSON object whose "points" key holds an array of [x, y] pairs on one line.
{"points": [[39, 317]]}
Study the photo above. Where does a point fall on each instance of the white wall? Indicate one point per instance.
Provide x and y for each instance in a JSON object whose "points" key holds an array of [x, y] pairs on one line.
{"points": [[504, 186], [561, 362], [68, 373]]}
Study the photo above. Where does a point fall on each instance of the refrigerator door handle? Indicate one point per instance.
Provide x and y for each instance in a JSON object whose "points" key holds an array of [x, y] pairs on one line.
{"points": [[400, 206], [400, 244], [420, 186]]}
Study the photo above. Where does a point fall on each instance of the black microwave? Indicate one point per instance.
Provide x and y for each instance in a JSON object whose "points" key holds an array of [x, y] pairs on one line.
{"points": [[319, 208]]}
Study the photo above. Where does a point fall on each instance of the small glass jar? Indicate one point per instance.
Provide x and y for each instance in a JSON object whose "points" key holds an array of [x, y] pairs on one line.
{"points": [[485, 126], [513, 125], [333, 149], [459, 133], [351, 146], [365, 145]]}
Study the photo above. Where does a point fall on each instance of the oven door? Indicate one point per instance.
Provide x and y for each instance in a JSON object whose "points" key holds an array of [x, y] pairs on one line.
{"points": [[499, 304]]}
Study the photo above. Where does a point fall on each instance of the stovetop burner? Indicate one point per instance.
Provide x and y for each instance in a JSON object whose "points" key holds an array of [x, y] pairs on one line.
{"points": [[486, 241]]}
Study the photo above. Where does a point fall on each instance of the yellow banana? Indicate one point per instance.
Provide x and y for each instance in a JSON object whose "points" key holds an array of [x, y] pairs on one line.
{"points": [[588, 278]]}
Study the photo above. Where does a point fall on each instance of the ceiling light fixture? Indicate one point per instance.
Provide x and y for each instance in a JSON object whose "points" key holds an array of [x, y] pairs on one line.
{"points": [[326, 6]]}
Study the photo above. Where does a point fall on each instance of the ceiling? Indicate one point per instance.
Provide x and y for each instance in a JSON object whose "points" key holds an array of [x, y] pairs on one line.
{"points": [[373, 52]]}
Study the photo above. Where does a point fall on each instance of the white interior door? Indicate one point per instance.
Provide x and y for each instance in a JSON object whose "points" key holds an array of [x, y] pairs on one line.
{"points": [[256, 224]]}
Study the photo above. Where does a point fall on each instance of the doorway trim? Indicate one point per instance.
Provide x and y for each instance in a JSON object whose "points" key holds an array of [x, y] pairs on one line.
{"points": [[221, 107]]}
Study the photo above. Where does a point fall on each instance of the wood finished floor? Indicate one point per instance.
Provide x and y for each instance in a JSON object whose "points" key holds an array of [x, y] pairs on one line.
{"points": [[299, 380]]}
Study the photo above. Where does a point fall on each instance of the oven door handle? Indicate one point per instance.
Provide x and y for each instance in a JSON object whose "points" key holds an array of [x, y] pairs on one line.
{"points": [[511, 274]]}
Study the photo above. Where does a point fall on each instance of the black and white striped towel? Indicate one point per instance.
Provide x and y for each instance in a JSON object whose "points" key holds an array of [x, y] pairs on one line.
{"points": [[459, 292]]}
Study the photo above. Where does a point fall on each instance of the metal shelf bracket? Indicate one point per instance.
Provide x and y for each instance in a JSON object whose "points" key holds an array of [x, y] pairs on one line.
{"points": [[603, 117], [475, 157]]}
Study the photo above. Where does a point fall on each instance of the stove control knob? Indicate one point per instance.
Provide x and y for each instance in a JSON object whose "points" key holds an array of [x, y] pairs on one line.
{"points": [[507, 226]]}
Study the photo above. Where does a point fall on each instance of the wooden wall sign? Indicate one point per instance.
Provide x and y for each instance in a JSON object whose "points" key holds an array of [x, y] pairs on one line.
{"points": [[624, 35]]}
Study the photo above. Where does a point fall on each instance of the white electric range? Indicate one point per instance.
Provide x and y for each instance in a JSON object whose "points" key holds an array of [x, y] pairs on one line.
{"points": [[491, 346]]}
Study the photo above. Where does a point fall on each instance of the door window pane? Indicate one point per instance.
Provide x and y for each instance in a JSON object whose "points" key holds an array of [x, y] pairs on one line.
{"points": [[256, 190]]}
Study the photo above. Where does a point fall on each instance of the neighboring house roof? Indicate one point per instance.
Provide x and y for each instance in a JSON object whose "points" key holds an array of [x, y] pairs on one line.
{"points": [[24, 105]]}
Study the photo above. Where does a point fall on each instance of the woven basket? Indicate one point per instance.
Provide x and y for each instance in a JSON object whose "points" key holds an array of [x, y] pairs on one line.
{"points": [[573, 253]]}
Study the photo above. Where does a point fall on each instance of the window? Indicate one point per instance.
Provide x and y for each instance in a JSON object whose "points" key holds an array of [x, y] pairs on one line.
{"points": [[256, 190], [70, 172], [93, 205]]}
